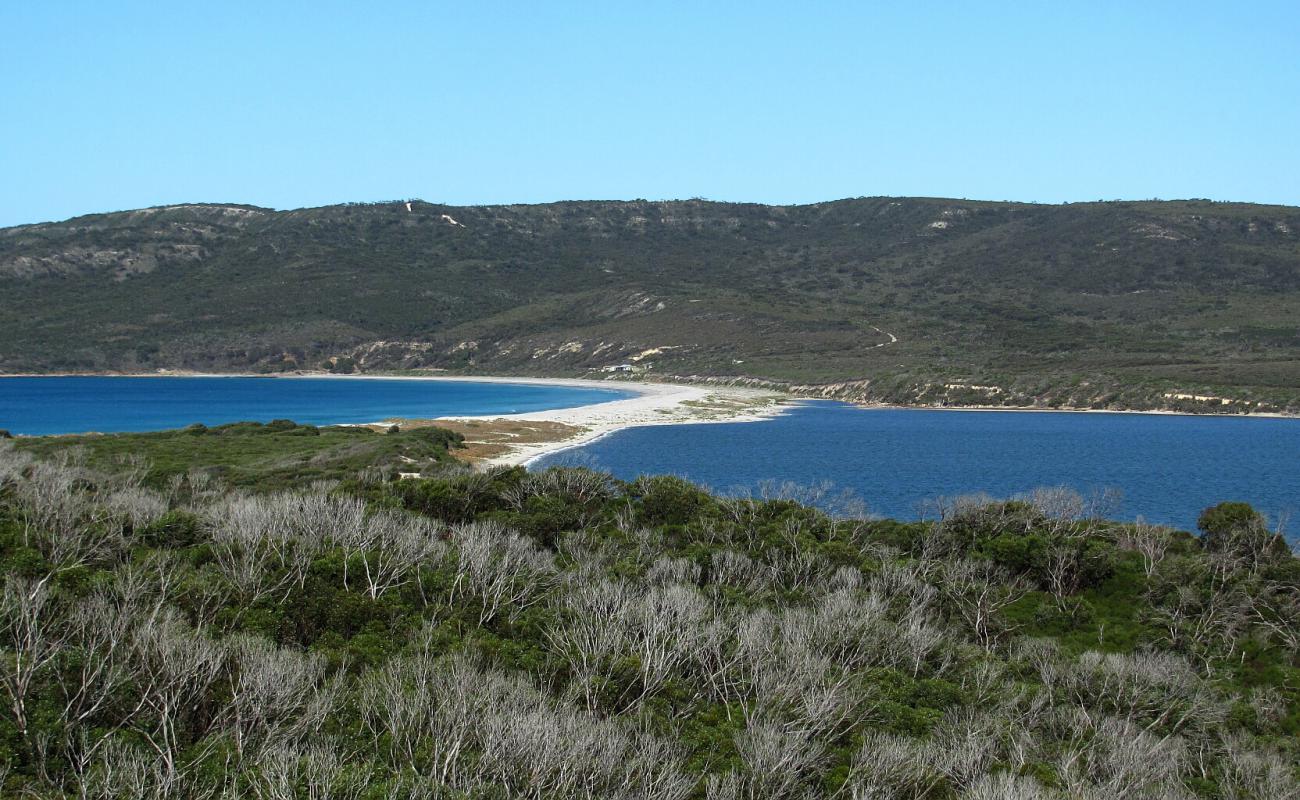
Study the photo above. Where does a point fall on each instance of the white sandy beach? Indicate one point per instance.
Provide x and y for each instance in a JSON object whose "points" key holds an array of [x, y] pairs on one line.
{"points": [[654, 404]]}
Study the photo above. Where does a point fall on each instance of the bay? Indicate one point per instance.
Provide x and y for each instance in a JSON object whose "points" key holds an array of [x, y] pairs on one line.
{"points": [[110, 404], [1167, 468]]}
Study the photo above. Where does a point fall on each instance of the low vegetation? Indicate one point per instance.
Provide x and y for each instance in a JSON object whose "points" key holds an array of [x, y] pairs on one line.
{"points": [[166, 633], [252, 454]]}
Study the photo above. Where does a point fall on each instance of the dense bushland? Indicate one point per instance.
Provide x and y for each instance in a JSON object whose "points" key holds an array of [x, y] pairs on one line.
{"points": [[563, 634]]}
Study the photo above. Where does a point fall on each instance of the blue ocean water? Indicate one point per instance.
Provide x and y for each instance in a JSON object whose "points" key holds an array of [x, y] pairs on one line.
{"points": [[1168, 468], [38, 406]]}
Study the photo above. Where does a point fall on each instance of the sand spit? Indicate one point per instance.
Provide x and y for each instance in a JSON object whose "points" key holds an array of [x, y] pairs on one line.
{"points": [[496, 440]]}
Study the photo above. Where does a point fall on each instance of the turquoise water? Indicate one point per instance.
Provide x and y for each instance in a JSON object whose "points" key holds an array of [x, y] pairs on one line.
{"points": [[1168, 468], [38, 406]]}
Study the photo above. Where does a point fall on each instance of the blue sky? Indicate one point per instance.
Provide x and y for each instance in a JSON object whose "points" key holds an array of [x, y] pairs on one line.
{"points": [[114, 105]]}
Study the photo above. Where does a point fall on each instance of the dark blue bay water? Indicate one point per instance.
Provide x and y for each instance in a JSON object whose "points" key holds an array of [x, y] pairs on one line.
{"points": [[37, 406], [1167, 467]]}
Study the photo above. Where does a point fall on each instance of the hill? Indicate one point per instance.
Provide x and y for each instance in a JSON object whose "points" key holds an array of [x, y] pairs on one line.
{"points": [[1181, 304]]}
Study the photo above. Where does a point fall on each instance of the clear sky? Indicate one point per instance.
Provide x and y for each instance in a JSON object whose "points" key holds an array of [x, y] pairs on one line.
{"points": [[112, 105]]}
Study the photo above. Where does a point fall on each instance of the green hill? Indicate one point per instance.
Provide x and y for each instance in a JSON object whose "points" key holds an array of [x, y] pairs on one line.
{"points": [[1119, 304]]}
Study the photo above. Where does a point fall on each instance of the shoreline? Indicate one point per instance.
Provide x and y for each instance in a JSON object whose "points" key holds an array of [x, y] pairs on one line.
{"points": [[655, 404], [650, 403], [579, 417], [370, 376], [605, 383], [1040, 410]]}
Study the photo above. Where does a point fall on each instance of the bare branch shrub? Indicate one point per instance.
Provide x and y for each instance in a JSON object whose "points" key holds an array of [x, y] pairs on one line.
{"points": [[526, 742], [585, 638], [180, 667], [394, 546], [13, 463], [1275, 607], [64, 516], [1152, 542], [271, 692], [889, 766], [665, 628], [34, 636], [580, 488], [1250, 772], [123, 770], [777, 761], [1157, 691], [250, 540], [666, 571], [1119, 760], [979, 590], [502, 570], [135, 506], [798, 570], [316, 771], [730, 568], [1005, 786]]}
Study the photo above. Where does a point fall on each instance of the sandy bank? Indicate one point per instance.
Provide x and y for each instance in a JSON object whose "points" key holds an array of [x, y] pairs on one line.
{"points": [[1066, 410], [655, 404]]}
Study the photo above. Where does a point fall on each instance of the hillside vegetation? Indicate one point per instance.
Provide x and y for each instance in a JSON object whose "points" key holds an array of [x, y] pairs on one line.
{"points": [[566, 635], [1182, 304]]}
